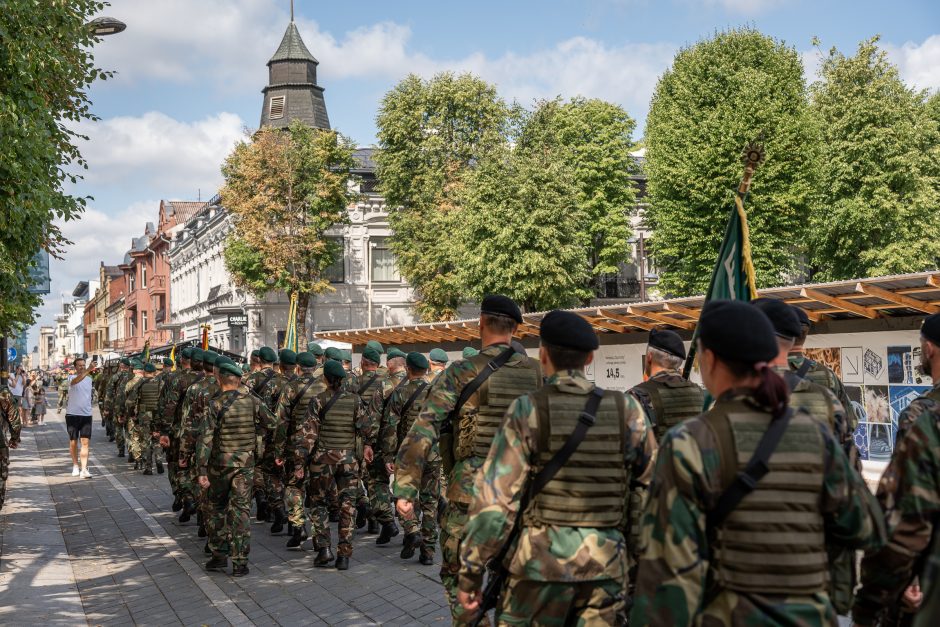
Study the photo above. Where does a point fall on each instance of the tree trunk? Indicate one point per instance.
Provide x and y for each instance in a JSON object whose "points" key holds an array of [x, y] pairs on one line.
{"points": [[303, 301]]}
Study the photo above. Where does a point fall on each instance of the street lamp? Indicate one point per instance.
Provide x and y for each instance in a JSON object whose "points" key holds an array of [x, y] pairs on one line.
{"points": [[104, 26]]}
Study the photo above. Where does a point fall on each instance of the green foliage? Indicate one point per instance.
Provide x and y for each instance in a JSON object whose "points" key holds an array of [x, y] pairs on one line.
{"points": [[880, 147], [46, 67], [719, 95]]}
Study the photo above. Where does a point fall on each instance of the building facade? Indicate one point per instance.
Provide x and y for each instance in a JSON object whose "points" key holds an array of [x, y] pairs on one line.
{"points": [[46, 347], [97, 337]]}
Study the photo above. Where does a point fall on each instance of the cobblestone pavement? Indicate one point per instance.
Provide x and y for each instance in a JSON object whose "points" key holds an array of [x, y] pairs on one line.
{"points": [[107, 550]]}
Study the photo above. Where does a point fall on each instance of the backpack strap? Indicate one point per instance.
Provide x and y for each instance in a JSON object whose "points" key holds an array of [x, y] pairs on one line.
{"points": [[804, 367], [256, 390], [329, 404]]}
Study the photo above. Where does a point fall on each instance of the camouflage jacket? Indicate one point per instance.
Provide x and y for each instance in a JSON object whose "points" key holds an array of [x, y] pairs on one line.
{"points": [[121, 407], [909, 493], [133, 394], [291, 409], [196, 422], [928, 402], [389, 435], [820, 374], [9, 418], [674, 570], [186, 381], [271, 391], [167, 402], [207, 454], [115, 383], [550, 552], [378, 405], [305, 441], [253, 380]]}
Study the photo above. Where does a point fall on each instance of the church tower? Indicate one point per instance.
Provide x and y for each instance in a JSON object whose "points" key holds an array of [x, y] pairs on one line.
{"points": [[292, 92]]}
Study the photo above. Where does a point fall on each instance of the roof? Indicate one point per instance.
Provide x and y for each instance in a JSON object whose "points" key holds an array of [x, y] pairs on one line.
{"points": [[292, 47], [364, 159], [113, 271], [880, 297], [184, 210]]}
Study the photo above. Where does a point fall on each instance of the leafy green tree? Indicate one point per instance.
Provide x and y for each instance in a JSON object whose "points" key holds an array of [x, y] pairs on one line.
{"points": [[285, 189], [521, 217], [46, 67], [719, 95], [430, 132], [595, 138], [880, 149]]}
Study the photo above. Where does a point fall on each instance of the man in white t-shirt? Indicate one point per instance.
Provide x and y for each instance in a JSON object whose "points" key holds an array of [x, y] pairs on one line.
{"points": [[78, 415]]}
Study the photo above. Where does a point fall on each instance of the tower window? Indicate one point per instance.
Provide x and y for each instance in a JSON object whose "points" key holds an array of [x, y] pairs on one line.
{"points": [[277, 107]]}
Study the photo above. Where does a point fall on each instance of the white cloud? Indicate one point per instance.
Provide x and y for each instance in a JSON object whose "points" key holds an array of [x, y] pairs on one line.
{"points": [[919, 64]]}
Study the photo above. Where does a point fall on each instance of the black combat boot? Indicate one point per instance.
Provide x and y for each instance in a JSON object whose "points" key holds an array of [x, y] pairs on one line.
{"points": [[217, 564], [189, 508], [261, 514], [148, 471], [362, 515], [206, 549], [130, 458], [334, 515], [239, 570], [323, 558], [280, 517], [159, 467], [427, 556], [411, 542], [389, 531], [342, 562], [373, 526], [297, 538], [202, 531], [120, 452], [177, 504]]}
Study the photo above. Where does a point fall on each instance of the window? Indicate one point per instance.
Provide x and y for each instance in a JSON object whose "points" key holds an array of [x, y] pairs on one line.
{"points": [[276, 109], [131, 281], [336, 271], [143, 277], [143, 321], [384, 264]]}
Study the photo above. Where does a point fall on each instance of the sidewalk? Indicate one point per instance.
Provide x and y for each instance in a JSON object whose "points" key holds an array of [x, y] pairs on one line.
{"points": [[107, 550]]}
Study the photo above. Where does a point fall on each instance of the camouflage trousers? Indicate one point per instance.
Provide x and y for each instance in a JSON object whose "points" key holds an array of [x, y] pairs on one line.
{"points": [[120, 435], [186, 482], [228, 502], [172, 468], [327, 468], [380, 495], [133, 438], [294, 501], [455, 519], [274, 483], [430, 493], [526, 602], [4, 472], [362, 495]]}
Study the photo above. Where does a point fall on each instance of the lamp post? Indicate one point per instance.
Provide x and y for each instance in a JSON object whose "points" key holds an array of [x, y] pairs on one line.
{"points": [[104, 26]]}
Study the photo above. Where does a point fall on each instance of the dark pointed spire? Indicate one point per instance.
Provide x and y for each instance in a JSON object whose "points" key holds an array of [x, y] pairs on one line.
{"points": [[292, 92], [292, 47]]}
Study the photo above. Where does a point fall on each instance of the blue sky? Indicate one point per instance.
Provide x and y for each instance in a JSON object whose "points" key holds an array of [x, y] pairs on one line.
{"points": [[189, 75]]}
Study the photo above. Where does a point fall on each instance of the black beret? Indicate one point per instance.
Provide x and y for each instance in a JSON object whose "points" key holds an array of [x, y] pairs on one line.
{"points": [[287, 357], [802, 315], [334, 369], [417, 361], [667, 341], [737, 331], [931, 328], [568, 330], [786, 322], [497, 305]]}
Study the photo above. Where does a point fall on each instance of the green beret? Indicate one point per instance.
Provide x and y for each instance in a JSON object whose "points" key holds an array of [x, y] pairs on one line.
{"points": [[209, 357], [256, 353], [187, 353], [125, 361], [333, 353], [149, 367], [287, 357], [221, 360], [347, 355], [469, 351], [168, 362], [230, 367], [334, 369], [267, 354], [306, 359], [245, 368], [395, 352], [438, 355], [375, 344], [417, 361], [196, 354], [137, 364], [372, 355], [316, 349]]}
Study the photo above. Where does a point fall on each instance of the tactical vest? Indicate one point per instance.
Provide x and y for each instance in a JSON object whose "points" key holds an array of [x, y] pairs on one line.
{"points": [[298, 408], [148, 394], [519, 376], [816, 404], [365, 387], [338, 427], [590, 490], [236, 431], [774, 541], [672, 399]]}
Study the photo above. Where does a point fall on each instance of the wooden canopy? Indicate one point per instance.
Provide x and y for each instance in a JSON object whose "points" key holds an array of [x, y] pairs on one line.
{"points": [[881, 297]]}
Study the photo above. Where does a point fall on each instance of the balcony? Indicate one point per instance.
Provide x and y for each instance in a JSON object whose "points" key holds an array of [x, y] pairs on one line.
{"points": [[157, 285], [130, 301], [159, 316]]}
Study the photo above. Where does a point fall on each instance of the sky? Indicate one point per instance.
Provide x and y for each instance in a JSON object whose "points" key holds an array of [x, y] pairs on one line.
{"points": [[189, 74]]}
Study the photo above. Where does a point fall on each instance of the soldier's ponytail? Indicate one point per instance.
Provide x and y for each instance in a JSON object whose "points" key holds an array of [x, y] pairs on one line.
{"points": [[772, 391]]}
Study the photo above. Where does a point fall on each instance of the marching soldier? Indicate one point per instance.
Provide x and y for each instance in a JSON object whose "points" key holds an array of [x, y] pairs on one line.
{"points": [[707, 554], [438, 361], [324, 453], [224, 459], [570, 562], [163, 416], [317, 351], [124, 434], [468, 423], [256, 382], [9, 421], [110, 402], [186, 432], [909, 492], [364, 385], [144, 406], [188, 379], [273, 480]]}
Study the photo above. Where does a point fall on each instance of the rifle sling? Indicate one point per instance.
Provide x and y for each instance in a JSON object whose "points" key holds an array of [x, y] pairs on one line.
{"points": [[494, 364], [412, 398]]}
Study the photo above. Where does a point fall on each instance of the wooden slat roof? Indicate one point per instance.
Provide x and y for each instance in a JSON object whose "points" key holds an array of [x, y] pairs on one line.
{"points": [[879, 297]]}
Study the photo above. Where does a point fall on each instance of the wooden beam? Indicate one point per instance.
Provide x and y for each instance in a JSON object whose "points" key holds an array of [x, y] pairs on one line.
{"points": [[604, 324], [918, 290], [900, 299], [654, 315], [934, 280], [629, 321], [683, 311], [833, 301]]}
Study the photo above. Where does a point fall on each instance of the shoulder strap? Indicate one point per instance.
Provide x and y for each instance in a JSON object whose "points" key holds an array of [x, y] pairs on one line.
{"points": [[329, 404], [755, 470], [804, 367], [388, 398], [299, 396], [225, 408], [365, 386], [256, 390], [494, 364], [793, 378], [411, 399]]}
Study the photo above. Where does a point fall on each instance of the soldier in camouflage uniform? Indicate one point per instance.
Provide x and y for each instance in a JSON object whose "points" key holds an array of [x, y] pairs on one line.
{"points": [[274, 475], [135, 435], [185, 433], [380, 498], [364, 384], [100, 386], [9, 421], [317, 351], [570, 561], [144, 401], [256, 383], [291, 411], [194, 426], [403, 407], [225, 458], [163, 415], [909, 492], [115, 384], [123, 428], [473, 430], [324, 453], [469, 351], [707, 554], [173, 421]]}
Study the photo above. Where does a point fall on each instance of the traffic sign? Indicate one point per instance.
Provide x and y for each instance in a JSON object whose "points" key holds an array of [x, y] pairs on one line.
{"points": [[11, 354]]}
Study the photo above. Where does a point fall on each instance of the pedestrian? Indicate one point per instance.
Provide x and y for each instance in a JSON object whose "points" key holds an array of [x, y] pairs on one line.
{"points": [[17, 386], [78, 416], [26, 404], [909, 491], [465, 430], [39, 404], [9, 422], [225, 463], [570, 562], [747, 497]]}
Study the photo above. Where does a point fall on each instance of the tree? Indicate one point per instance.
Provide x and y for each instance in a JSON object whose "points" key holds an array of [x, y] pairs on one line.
{"points": [[719, 95], [430, 133], [285, 190], [521, 218], [595, 138], [46, 67], [880, 148]]}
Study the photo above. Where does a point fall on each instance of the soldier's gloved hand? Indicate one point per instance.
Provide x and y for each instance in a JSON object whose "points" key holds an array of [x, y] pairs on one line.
{"points": [[470, 600], [405, 508], [204, 482], [165, 441]]}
